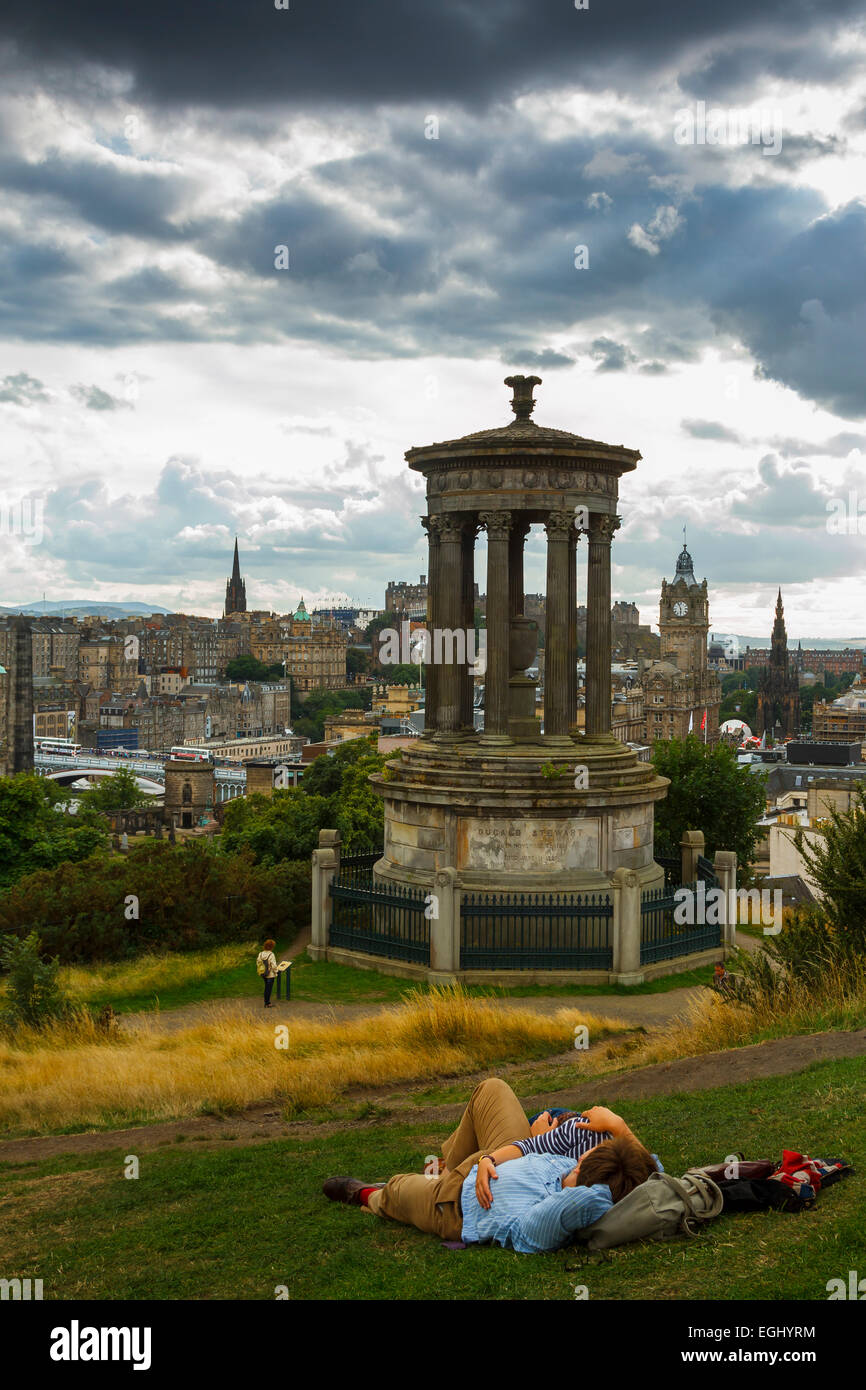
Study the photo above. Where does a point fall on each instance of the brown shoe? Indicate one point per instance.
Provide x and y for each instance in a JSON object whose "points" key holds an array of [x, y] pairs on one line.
{"points": [[346, 1189]]}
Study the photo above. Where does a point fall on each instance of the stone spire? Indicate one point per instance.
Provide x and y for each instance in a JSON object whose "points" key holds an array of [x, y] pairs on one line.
{"points": [[778, 690], [236, 589]]}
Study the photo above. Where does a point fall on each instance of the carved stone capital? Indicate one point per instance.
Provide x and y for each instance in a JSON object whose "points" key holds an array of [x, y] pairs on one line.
{"points": [[451, 528], [497, 525], [602, 528], [558, 525]]}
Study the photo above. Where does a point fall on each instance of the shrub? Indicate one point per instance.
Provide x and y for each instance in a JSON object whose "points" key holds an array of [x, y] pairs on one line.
{"points": [[188, 896], [33, 995]]}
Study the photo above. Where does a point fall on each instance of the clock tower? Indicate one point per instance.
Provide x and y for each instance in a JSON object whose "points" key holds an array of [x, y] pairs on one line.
{"points": [[681, 696], [684, 618]]}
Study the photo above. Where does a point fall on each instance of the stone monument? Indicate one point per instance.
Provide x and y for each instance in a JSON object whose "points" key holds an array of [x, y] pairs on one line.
{"points": [[514, 808]]}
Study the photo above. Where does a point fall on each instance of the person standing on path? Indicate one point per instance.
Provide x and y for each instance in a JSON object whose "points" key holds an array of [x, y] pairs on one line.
{"points": [[266, 964]]}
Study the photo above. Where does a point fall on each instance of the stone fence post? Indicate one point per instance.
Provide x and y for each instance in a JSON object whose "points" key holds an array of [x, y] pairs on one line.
{"points": [[691, 845], [725, 865], [445, 927], [626, 927], [326, 866]]}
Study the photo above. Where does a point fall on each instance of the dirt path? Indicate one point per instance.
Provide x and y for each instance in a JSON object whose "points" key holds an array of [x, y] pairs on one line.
{"points": [[647, 1010], [778, 1057]]}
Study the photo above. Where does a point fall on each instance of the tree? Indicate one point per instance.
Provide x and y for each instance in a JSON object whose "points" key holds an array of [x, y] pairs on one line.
{"points": [[275, 828], [837, 863], [357, 663], [310, 715], [739, 704], [708, 791], [119, 792], [36, 831], [402, 674], [249, 668], [325, 776]]}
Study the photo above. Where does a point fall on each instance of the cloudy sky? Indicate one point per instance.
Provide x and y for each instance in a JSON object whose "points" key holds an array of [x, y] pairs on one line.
{"points": [[167, 380]]}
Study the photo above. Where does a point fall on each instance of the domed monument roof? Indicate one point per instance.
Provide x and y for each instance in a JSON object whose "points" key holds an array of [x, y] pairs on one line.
{"points": [[523, 436]]}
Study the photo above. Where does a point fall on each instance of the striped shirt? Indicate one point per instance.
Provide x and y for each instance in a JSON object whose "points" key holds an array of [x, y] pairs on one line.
{"points": [[532, 1211], [566, 1140]]}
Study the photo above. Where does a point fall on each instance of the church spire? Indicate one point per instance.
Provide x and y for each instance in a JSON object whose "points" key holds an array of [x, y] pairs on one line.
{"points": [[236, 589]]}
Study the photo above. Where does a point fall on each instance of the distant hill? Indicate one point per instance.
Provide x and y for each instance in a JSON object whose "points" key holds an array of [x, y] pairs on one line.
{"points": [[81, 608]]}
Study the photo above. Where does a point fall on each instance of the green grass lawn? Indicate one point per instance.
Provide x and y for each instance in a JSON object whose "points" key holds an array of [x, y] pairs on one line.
{"points": [[228, 972], [236, 1222]]}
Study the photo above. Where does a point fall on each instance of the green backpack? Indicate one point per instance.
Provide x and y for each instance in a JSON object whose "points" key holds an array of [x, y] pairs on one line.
{"points": [[661, 1208]]}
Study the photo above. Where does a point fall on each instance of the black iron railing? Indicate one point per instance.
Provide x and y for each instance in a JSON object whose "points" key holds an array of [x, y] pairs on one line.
{"points": [[707, 872], [379, 918], [666, 930], [673, 867], [536, 931]]}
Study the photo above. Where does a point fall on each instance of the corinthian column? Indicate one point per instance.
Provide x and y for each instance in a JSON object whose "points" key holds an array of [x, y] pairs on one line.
{"points": [[449, 609], [601, 531], [573, 538], [498, 526], [431, 525], [559, 527], [467, 576]]}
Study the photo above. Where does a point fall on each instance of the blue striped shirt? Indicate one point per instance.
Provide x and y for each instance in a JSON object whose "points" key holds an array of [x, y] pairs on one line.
{"points": [[566, 1140], [531, 1210]]}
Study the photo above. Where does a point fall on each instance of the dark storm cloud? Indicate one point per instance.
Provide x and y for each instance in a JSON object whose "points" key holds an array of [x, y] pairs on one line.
{"points": [[126, 198], [463, 245], [802, 310], [527, 357], [223, 53]]}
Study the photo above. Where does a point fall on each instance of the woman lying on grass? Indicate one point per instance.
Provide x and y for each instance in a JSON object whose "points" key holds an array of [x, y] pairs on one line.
{"points": [[542, 1196]]}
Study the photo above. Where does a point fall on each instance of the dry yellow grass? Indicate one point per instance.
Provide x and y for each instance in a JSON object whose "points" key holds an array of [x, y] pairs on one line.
{"points": [[711, 1023], [71, 1075]]}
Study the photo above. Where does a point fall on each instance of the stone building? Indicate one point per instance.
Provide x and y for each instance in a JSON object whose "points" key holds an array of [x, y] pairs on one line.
{"points": [[189, 793], [778, 711], [314, 652], [842, 720], [681, 694], [55, 648]]}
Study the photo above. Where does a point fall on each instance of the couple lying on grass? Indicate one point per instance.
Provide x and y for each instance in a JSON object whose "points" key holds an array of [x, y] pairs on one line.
{"points": [[526, 1187]]}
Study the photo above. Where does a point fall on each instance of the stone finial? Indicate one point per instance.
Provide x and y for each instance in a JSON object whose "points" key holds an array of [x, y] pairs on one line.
{"points": [[521, 402]]}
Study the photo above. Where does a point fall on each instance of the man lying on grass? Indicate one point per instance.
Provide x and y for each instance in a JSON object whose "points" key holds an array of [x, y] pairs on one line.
{"points": [[542, 1196]]}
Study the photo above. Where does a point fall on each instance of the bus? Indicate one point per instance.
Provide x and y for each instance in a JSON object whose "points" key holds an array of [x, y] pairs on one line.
{"points": [[67, 747], [191, 755]]}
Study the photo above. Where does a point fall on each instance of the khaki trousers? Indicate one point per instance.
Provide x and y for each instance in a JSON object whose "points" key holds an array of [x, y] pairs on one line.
{"points": [[493, 1117]]}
